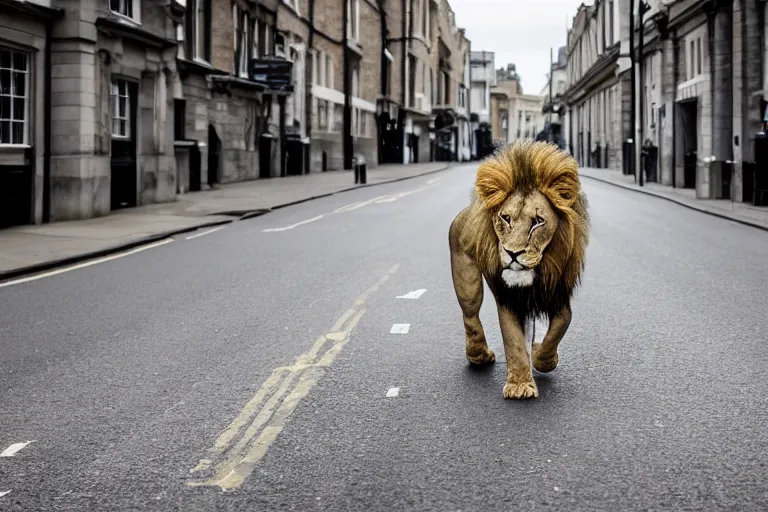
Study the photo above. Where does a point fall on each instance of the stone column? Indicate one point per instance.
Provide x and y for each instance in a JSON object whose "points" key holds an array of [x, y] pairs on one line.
{"points": [[722, 82], [666, 120]]}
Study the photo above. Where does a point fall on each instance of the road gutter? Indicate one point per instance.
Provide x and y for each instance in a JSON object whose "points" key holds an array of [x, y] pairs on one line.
{"points": [[681, 202]]}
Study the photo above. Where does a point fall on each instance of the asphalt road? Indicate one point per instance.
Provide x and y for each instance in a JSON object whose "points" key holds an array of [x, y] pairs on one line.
{"points": [[198, 355]]}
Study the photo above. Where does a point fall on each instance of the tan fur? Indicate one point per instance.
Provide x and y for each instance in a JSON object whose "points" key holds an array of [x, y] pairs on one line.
{"points": [[527, 202]]}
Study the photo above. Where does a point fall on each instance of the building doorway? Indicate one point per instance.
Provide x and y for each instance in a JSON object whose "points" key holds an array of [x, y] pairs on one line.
{"points": [[124, 177]]}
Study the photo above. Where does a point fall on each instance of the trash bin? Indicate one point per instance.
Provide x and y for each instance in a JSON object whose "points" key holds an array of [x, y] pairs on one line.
{"points": [[307, 154]]}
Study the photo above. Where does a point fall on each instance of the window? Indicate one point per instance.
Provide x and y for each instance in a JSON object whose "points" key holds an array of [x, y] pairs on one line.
{"points": [[328, 71], [610, 22], [322, 115], [356, 81], [127, 8], [198, 30], [412, 81], [14, 94], [425, 18], [691, 66], [179, 119], [363, 124], [353, 15], [243, 41], [121, 122], [698, 56]]}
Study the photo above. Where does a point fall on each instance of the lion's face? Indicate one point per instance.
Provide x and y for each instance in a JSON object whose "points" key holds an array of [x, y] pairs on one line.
{"points": [[524, 225]]}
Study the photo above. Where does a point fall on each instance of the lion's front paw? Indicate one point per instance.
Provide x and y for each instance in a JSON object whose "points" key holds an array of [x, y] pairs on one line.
{"points": [[543, 363], [521, 391], [481, 357]]}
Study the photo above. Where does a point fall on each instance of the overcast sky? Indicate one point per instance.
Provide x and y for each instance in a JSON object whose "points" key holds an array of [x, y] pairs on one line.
{"points": [[519, 32]]}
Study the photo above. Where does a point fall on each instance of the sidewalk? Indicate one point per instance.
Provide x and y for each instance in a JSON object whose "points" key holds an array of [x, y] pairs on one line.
{"points": [[26, 249], [743, 213]]}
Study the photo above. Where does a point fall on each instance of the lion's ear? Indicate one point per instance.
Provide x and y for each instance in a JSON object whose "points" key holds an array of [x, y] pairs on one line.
{"points": [[493, 183], [564, 191]]}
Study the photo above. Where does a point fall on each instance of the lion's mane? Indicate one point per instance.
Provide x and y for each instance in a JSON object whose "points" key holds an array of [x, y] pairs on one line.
{"points": [[523, 167]]}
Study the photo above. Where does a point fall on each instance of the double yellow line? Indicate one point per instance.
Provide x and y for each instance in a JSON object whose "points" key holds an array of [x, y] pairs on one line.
{"points": [[243, 444]]}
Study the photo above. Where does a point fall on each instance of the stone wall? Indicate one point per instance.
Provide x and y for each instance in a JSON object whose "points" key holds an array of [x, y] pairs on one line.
{"points": [[28, 35]]}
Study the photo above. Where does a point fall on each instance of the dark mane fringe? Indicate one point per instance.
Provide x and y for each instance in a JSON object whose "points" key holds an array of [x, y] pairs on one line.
{"points": [[524, 167]]}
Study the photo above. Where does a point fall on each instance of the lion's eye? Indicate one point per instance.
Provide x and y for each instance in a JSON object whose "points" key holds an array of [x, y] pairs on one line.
{"points": [[506, 218]]}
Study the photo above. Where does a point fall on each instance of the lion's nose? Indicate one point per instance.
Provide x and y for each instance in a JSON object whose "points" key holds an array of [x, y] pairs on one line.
{"points": [[514, 255]]}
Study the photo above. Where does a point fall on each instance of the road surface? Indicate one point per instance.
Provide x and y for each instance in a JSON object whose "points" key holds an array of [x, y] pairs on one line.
{"points": [[254, 368]]}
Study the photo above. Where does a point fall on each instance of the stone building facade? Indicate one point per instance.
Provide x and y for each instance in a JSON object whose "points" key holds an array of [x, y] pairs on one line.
{"points": [[514, 115], [110, 104], [598, 98], [25, 97], [703, 94]]}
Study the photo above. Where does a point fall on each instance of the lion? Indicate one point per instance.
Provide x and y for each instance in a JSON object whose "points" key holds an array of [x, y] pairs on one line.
{"points": [[525, 232]]}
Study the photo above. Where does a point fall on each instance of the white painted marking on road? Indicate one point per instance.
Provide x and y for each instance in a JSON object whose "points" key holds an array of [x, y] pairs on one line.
{"points": [[3, 493], [393, 392], [413, 295], [205, 233], [14, 449], [434, 180], [400, 329], [360, 204], [286, 228], [87, 263]]}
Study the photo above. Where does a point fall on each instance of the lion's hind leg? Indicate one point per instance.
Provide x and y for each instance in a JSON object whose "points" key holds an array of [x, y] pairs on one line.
{"points": [[468, 284]]}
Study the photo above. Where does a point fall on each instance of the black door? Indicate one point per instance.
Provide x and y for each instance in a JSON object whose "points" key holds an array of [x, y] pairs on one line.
{"points": [[124, 120], [214, 155], [16, 192]]}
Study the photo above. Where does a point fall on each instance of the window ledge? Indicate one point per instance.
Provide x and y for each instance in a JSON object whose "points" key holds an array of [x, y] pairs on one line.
{"points": [[14, 147]]}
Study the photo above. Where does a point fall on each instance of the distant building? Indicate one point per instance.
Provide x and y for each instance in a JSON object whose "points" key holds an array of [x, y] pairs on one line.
{"points": [[514, 115], [482, 77], [554, 107]]}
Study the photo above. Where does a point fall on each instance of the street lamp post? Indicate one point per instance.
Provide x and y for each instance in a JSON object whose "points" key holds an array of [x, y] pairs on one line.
{"points": [[643, 7], [633, 86], [346, 132]]}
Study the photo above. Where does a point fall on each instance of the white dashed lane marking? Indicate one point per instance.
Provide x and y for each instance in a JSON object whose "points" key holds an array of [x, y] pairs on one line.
{"points": [[197, 235], [286, 228], [87, 263], [3, 493], [400, 329], [413, 295], [393, 392], [14, 449]]}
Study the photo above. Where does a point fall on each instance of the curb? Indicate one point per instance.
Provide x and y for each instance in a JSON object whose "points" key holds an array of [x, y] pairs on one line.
{"points": [[70, 260], [721, 215], [239, 215]]}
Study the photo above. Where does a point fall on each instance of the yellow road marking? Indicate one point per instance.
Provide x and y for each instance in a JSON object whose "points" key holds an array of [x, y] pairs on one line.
{"points": [[243, 444]]}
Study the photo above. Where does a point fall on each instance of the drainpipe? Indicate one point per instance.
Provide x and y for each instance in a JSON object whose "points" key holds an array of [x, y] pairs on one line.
{"points": [[643, 8], [47, 125], [633, 86], [675, 78], [404, 20], [346, 132], [308, 71]]}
